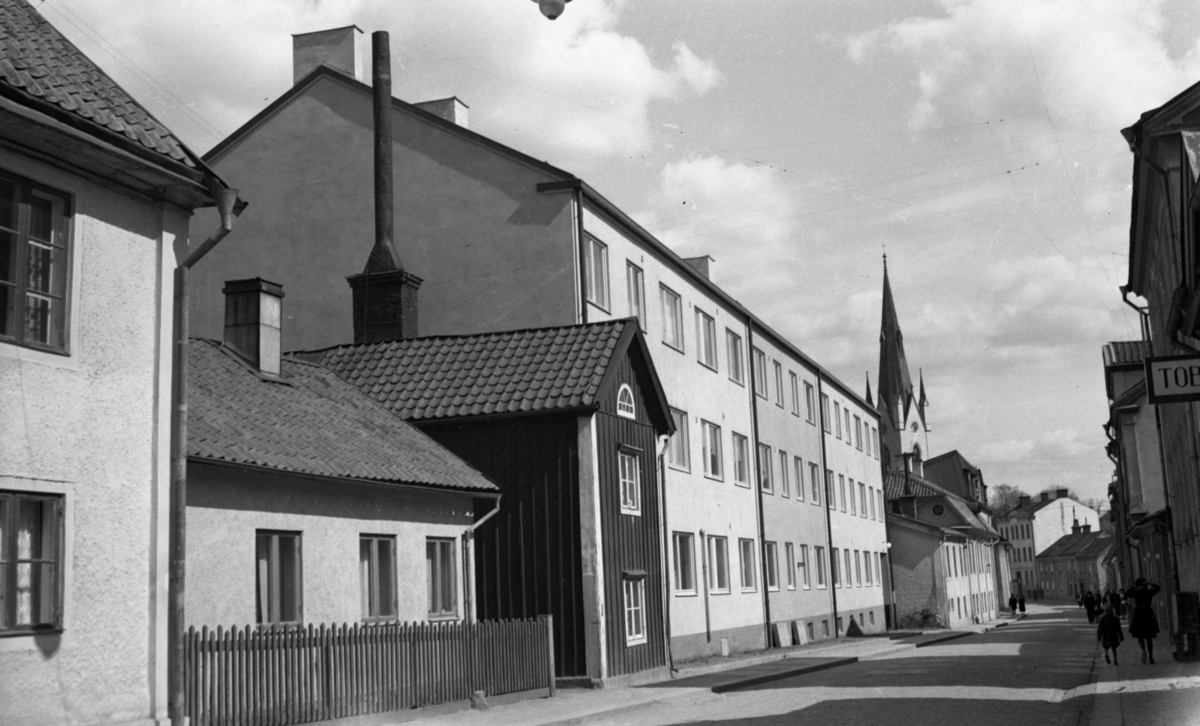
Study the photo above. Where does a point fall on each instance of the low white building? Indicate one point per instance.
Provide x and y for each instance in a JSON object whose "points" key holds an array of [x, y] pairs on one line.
{"points": [[1034, 525]]}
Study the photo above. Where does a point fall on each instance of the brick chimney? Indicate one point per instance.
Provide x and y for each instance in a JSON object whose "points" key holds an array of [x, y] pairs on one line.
{"points": [[1022, 500], [385, 305], [1087, 528], [338, 48], [1075, 527], [450, 109], [253, 312], [1062, 493], [1047, 496]]}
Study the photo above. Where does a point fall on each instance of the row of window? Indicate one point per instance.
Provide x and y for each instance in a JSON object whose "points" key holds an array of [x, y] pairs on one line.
{"points": [[1018, 531], [869, 501], [969, 559], [859, 566], [1023, 554], [861, 434]]}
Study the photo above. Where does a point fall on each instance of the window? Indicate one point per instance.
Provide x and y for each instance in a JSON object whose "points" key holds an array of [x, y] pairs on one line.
{"points": [[741, 460], [765, 479], [830, 494], [718, 564], [835, 569], [858, 433], [878, 578], [672, 310], [837, 419], [759, 361], [809, 628], [710, 438], [853, 508], [803, 565], [795, 394], [842, 489], [875, 435], [439, 574], [33, 264], [631, 483], [867, 431], [867, 556], [825, 413], [733, 351], [679, 450], [635, 610], [746, 562], [636, 291], [862, 500], [685, 568], [819, 560], [790, 551], [771, 562], [825, 627], [278, 577], [814, 478], [778, 384], [625, 405], [30, 562], [879, 495], [871, 497], [784, 485], [799, 479], [597, 272], [706, 339], [377, 576], [846, 556], [810, 414], [846, 413], [857, 568]]}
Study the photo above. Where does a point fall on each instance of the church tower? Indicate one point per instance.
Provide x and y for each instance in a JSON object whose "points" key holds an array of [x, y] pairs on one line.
{"points": [[901, 409]]}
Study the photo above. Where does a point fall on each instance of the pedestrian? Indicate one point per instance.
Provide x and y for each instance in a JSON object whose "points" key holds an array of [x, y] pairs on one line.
{"points": [[1114, 599], [1021, 603], [1143, 623], [1012, 604], [1089, 605], [1108, 632]]}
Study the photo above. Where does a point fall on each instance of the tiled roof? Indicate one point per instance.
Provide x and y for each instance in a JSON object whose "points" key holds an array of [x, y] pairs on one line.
{"points": [[37, 62], [318, 425], [520, 371], [893, 487], [1124, 353], [1071, 545]]}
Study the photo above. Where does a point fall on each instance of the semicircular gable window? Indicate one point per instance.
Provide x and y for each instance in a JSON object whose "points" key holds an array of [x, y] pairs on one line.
{"points": [[625, 406]]}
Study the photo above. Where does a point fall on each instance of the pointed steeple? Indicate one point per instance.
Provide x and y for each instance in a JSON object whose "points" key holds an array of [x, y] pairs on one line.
{"points": [[895, 385], [922, 402], [870, 402]]}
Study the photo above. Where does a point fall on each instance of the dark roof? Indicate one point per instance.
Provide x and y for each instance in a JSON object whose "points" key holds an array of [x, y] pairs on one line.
{"points": [[1124, 353], [519, 371], [1076, 544], [893, 487], [314, 424], [39, 65]]}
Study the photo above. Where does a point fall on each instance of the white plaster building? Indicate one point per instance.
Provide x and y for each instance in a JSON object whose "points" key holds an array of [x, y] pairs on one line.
{"points": [[1036, 524]]}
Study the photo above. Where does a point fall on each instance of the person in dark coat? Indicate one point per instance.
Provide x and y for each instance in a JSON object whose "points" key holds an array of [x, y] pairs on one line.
{"points": [[1089, 606], [1143, 623], [1114, 599], [1108, 632], [1021, 603], [1012, 604]]}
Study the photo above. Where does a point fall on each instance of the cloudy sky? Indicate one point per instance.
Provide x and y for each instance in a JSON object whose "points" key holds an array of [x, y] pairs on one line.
{"points": [[977, 141]]}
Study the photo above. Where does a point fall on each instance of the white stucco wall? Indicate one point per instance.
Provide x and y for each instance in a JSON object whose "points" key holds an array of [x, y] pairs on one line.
{"points": [[93, 426]]}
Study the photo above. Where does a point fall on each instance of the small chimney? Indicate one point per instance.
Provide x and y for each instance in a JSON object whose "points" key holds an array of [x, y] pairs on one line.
{"points": [[1087, 528], [1062, 493], [337, 48], [1022, 501], [385, 305], [253, 311], [1047, 496], [1075, 527], [449, 109], [702, 264]]}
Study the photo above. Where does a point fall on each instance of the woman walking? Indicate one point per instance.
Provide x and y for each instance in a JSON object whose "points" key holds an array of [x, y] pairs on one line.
{"points": [[1108, 632], [1143, 624], [1089, 605]]}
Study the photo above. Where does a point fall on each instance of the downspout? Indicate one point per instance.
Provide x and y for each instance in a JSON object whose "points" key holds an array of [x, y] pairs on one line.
{"points": [[581, 246], [227, 207], [664, 563], [1143, 313], [828, 487], [468, 536], [758, 493], [704, 570]]}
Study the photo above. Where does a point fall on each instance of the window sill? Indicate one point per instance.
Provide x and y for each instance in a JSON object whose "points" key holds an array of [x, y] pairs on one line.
{"points": [[741, 383], [685, 593], [32, 632], [743, 484], [445, 618], [631, 512], [673, 347], [636, 641], [718, 592], [711, 477], [705, 365], [674, 467]]}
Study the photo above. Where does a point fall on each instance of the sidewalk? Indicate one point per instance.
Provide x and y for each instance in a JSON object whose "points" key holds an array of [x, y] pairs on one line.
{"points": [[1166, 693], [697, 682]]}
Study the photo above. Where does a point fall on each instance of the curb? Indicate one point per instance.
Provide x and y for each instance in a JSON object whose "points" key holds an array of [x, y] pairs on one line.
{"points": [[782, 675], [587, 718]]}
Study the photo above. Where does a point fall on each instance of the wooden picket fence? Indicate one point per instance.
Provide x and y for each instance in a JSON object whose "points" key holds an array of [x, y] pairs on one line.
{"points": [[277, 677]]}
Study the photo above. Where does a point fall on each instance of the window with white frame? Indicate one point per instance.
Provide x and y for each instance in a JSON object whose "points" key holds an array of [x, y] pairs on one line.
{"points": [[766, 481], [799, 478], [867, 436], [635, 610], [277, 577], [778, 384], [837, 419], [625, 405], [679, 450], [746, 562], [733, 351], [853, 506], [879, 495], [842, 489], [377, 576], [741, 460], [685, 567], [830, 494], [31, 553], [809, 411], [814, 478], [825, 421], [818, 562], [672, 312], [718, 564], [795, 393], [706, 339], [784, 485], [846, 414], [867, 557], [710, 438], [835, 568], [34, 260], [790, 553], [857, 569], [846, 555], [771, 564], [631, 482], [862, 500], [858, 433], [440, 577], [636, 293], [875, 436], [871, 498], [759, 360], [597, 272], [804, 567]]}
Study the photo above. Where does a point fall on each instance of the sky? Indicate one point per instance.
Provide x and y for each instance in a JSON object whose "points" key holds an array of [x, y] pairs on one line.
{"points": [[976, 142]]}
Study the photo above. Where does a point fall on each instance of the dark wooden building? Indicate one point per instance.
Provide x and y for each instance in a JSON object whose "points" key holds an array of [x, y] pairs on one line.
{"points": [[569, 421]]}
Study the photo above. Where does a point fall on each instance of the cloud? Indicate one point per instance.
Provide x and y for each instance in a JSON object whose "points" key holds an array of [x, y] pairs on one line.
{"points": [[1050, 447]]}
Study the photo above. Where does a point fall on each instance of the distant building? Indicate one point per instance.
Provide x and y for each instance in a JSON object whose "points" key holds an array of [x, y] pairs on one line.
{"points": [[1034, 525], [95, 201], [1074, 564]]}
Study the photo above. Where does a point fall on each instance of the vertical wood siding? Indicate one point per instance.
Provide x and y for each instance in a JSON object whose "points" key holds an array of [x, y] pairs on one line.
{"points": [[528, 557]]}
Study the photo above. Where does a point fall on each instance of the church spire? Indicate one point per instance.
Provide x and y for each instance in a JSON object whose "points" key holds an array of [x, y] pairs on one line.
{"points": [[922, 402], [895, 385], [870, 402]]}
